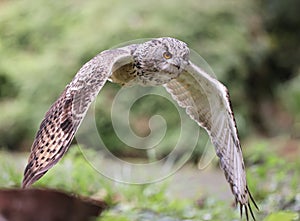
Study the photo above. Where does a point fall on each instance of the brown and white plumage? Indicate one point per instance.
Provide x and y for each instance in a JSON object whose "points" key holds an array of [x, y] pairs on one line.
{"points": [[162, 61], [62, 120], [207, 102]]}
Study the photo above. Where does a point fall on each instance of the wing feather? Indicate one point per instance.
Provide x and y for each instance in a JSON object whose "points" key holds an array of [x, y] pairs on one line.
{"points": [[62, 120], [207, 102]]}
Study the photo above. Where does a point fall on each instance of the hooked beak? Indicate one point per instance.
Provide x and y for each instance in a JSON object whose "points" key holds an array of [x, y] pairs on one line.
{"points": [[179, 64], [176, 62]]}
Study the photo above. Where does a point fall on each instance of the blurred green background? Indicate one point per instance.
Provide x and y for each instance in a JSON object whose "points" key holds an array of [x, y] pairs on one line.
{"points": [[252, 46]]}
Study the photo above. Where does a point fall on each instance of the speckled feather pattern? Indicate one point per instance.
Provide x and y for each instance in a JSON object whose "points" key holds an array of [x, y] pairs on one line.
{"points": [[207, 102], [162, 61], [62, 120]]}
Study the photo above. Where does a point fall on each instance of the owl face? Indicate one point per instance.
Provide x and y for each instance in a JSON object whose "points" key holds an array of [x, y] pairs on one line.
{"points": [[160, 60]]}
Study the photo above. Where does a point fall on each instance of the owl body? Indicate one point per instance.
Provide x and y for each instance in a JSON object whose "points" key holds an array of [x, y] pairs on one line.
{"points": [[161, 61]]}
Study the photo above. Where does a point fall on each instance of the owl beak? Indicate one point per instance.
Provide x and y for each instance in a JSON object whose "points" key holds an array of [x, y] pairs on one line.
{"points": [[177, 63]]}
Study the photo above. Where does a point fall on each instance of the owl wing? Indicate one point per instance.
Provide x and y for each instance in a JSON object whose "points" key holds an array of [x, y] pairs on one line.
{"points": [[62, 120], [207, 102]]}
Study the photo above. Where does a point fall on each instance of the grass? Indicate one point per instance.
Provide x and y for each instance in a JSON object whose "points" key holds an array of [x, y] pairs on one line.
{"points": [[272, 179]]}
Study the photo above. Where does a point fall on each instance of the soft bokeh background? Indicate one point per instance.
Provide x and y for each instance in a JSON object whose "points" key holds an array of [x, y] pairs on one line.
{"points": [[252, 46]]}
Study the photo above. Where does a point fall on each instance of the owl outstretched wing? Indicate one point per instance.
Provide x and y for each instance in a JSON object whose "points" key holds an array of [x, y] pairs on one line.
{"points": [[62, 120], [207, 102]]}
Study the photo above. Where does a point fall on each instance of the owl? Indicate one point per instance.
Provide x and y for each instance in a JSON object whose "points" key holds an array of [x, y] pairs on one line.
{"points": [[161, 61]]}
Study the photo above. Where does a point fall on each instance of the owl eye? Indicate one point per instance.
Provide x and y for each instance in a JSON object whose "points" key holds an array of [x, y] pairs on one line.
{"points": [[167, 55]]}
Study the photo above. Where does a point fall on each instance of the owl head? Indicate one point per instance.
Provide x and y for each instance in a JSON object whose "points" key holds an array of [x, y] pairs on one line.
{"points": [[160, 60]]}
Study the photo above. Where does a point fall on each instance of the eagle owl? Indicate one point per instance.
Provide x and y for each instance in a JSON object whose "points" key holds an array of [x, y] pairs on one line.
{"points": [[162, 61]]}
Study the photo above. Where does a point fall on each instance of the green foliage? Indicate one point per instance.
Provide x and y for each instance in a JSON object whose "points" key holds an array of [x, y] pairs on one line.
{"points": [[287, 216], [253, 47], [11, 174], [289, 94], [43, 44], [273, 182]]}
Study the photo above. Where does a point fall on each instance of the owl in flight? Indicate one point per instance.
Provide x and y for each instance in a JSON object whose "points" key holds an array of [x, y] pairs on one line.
{"points": [[161, 61]]}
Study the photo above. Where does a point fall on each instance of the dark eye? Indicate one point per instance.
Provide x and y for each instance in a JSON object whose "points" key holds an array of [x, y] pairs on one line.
{"points": [[167, 55]]}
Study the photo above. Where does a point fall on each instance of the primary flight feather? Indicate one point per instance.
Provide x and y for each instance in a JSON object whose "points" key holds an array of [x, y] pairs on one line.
{"points": [[161, 61]]}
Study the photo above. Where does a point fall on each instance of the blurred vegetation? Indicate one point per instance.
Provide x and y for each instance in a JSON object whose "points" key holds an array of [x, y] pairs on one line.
{"points": [[273, 181], [253, 48]]}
